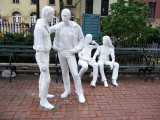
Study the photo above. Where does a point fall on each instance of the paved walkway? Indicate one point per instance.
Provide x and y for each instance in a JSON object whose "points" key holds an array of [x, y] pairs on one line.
{"points": [[134, 99]]}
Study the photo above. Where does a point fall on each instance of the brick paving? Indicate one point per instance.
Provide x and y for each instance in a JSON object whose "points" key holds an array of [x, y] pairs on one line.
{"points": [[134, 99]]}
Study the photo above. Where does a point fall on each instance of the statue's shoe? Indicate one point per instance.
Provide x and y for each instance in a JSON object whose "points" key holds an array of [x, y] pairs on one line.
{"points": [[46, 104], [114, 82], [105, 84], [65, 94]]}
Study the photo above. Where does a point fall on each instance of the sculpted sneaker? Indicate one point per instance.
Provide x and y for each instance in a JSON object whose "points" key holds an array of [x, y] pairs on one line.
{"points": [[114, 82], [81, 98], [50, 96], [105, 84], [44, 103], [93, 83], [65, 94]]}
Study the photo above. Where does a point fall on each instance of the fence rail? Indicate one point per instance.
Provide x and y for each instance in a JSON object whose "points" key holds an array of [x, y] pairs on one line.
{"points": [[16, 28]]}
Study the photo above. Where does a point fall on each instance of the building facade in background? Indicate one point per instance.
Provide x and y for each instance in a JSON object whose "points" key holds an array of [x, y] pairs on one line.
{"points": [[100, 7], [24, 11], [154, 12]]}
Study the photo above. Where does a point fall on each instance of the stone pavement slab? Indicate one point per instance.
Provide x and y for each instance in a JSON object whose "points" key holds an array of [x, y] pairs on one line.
{"points": [[134, 99]]}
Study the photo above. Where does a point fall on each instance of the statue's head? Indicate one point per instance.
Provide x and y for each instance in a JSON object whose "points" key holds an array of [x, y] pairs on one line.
{"points": [[66, 15], [107, 41], [88, 38], [48, 13]]}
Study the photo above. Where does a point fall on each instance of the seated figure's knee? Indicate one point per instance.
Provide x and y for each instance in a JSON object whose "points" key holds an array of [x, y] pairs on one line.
{"points": [[85, 67], [116, 64]]}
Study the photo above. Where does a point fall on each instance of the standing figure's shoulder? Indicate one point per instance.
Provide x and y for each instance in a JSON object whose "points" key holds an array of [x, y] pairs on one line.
{"points": [[74, 24]]}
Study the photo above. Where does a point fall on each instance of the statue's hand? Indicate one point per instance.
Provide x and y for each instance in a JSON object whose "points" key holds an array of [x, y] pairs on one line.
{"points": [[72, 51], [90, 60], [44, 69]]}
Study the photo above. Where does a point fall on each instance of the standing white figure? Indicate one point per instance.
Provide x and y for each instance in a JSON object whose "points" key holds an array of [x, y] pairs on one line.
{"points": [[104, 53], [69, 40], [85, 58], [42, 45]]}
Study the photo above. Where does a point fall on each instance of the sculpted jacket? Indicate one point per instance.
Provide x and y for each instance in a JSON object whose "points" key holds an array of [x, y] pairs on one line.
{"points": [[78, 38], [42, 40]]}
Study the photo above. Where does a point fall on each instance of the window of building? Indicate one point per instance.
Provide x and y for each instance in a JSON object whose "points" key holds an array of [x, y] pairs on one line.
{"points": [[104, 7], [51, 1], [33, 1], [15, 1], [16, 17], [69, 2], [33, 17], [89, 7], [151, 12]]}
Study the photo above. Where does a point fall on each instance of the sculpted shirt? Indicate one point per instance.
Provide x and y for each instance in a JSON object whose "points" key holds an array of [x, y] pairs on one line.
{"points": [[70, 37], [42, 41], [104, 53]]}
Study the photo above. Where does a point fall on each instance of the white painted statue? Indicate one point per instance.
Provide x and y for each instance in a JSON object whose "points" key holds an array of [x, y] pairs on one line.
{"points": [[68, 41], [85, 58], [42, 45], [104, 51]]}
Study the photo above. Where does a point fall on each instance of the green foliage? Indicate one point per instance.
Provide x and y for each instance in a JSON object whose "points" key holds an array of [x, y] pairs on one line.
{"points": [[127, 19], [19, 39]]}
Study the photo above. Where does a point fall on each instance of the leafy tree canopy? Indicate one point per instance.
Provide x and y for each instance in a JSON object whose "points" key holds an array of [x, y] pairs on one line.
{"points": [[128, 20]]}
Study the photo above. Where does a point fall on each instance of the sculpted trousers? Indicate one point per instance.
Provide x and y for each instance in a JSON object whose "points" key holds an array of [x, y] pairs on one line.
{"points": [[68, 61], [115, 65], [84, 68], [44, 79]]}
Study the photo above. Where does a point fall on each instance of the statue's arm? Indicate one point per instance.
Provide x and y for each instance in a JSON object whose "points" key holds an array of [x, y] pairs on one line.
{"points": [[96, 45], [53, 28], [113, 55], [83, 58], [80, 45], [38, 40]]}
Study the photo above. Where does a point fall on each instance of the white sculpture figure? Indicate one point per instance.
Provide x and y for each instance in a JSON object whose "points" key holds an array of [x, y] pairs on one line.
{"points": [[69, 40], [42, 45], [104, 52], [85, 58]]}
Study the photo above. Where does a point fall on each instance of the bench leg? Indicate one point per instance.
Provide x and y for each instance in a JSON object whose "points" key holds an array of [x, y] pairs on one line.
{"points": [[144, 73], [150, 71]]}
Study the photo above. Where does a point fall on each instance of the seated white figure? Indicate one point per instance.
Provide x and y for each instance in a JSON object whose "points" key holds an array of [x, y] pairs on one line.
{"points": [[85, 58], [105, 51]]}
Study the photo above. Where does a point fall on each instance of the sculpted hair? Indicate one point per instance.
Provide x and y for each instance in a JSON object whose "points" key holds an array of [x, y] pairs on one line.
{"points": [[109, 41], [67, 11], [46, 10]]}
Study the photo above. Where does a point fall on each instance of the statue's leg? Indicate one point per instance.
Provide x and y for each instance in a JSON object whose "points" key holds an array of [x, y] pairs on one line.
{"points": [[101, 67], [76, 77], [84, 66], [65, 75], [44, 80], [95, 73], [115, 73]]}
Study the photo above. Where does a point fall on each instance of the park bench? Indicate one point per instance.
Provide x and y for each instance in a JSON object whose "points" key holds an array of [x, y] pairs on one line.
{"points": [[135, 58], [139, 58], [23, 56], [155, 53]]}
